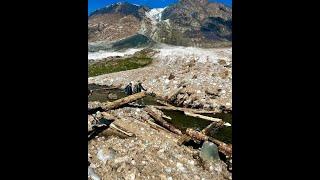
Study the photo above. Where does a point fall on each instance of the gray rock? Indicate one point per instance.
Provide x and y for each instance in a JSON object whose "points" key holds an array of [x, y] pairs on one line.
{"points": [[209, 151], [105, 156]]}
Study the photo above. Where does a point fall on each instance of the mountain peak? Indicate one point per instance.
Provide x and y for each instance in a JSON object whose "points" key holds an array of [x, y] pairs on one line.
{"points": [[124, 8], [194, 1]]}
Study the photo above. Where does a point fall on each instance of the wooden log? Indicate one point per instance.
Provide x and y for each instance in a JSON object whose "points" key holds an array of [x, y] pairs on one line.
{"points": [[166, 117], [205, 118], [158, 118], [208, 128], [123, 101], [122, 130], [202, 116], [213, 125], [224, 148], [173, 108], [197, 135], [113, 125]]}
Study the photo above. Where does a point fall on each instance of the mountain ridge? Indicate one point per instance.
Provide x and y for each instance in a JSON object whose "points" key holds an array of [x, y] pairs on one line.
{"points": [[198, 23]]}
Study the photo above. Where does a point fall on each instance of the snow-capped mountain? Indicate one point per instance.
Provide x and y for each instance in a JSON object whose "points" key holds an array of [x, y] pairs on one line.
{"points": [[186, 23]]}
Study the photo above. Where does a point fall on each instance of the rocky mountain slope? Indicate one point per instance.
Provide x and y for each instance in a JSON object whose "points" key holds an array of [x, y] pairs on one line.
{"points": [[115, 22], [195, 23], [135, 41], [186, 23]]}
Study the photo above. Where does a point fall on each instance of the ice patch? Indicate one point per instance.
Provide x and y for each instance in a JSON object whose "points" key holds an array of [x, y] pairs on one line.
{"points": [[155, 14], [104, 54], [92, 174], [171, 53]]}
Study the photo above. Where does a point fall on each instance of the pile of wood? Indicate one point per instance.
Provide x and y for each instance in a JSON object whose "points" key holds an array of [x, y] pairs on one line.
{"points": [[216, 124], [160, 123]]}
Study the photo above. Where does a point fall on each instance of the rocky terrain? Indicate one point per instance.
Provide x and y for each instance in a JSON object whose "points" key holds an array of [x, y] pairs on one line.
{"points": [[150, 154], [202, 76]]}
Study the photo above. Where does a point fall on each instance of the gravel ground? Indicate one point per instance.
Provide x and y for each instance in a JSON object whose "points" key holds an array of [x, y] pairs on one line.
{"points": [[150, 154]]}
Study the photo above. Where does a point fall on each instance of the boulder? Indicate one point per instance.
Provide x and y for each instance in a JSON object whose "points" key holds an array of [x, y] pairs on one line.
{"points": [[209, 151]]}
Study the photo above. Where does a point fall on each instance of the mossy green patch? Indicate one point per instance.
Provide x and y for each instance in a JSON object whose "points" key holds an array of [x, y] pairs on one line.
{"points": [[116, 65]]}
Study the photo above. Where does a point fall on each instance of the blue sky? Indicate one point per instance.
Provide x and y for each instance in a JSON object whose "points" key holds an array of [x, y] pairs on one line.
{"points": [[96, 4]]}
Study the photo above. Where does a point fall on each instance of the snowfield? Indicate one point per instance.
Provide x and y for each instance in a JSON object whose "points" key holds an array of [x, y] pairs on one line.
{"points": [[105, 54], [171, 53], [155, 15]]}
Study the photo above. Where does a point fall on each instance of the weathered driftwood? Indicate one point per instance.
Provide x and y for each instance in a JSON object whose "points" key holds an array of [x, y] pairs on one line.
{"points": [[192, 112], [166, 117], [206, 118], [113, 125], [197, 135], [158, 118], [173, 108], [213, 125], [224, 148], [123, 101], [202, 116], [121, 129]]}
